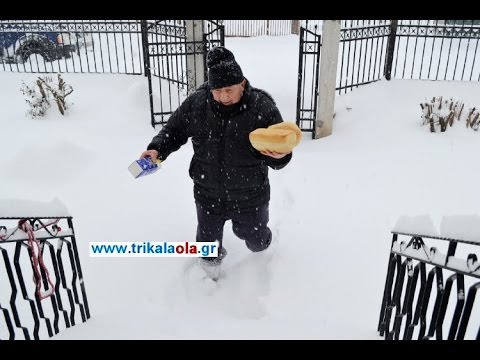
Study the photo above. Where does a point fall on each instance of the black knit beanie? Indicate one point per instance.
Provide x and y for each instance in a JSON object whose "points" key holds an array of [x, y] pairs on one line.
{"points": [[223, 70]]}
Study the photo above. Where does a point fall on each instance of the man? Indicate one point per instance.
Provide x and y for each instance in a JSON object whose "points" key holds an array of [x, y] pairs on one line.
{"points": [[230, 177]]}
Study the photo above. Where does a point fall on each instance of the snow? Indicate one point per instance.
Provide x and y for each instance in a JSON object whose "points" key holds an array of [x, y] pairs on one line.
{"points": [[19, 207], [465, 227], [420, 225], [332, 212]]}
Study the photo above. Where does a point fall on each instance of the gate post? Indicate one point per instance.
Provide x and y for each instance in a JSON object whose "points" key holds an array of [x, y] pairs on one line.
{"points": [[195, 58], [144, 32], [390, 49], [328, 76]]}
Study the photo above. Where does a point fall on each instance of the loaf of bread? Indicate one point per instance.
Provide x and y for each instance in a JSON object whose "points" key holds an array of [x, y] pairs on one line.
{"points": [[289, 126], [280, 138]]}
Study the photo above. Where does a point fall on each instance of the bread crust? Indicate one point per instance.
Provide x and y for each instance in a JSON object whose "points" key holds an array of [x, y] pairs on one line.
{"points": [[280, 138], [289, 126]]}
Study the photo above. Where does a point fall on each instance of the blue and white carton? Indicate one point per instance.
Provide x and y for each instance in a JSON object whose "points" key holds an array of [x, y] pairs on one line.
{"points": [[143, 167]]}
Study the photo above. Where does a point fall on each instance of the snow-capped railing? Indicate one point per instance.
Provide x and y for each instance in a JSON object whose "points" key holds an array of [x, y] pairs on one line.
{"points": [[413, 307], [41, 282]]}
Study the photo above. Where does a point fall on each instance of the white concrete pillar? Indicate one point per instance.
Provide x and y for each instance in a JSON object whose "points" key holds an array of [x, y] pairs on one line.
{"points": [[328, 76], [195, 58]]}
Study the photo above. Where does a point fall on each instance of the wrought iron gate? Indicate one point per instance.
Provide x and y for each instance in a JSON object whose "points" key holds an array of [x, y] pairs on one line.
{"points": [[56, 299], [361, 57], [362, 53], [308, 73], [430, 290], [175, 61]]}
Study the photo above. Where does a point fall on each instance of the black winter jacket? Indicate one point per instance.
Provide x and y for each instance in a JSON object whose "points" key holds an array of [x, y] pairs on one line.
{"points": [[228, 173]]}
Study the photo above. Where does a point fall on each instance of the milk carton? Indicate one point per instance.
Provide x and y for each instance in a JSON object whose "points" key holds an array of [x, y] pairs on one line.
{"points": [[143, 167]]}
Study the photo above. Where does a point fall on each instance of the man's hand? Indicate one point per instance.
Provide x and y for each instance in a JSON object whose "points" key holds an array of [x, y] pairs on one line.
{"points": [[273, 154], [153, 154]]}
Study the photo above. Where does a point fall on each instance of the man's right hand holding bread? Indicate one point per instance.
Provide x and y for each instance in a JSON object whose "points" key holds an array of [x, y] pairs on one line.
{"points": [[274, 154]]}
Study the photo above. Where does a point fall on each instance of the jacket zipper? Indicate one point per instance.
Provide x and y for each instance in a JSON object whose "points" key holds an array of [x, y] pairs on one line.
{"points": [[221, 159]]}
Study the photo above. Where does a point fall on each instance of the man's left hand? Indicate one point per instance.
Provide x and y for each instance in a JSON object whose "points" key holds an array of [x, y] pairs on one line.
{"points": [[274, 154]]}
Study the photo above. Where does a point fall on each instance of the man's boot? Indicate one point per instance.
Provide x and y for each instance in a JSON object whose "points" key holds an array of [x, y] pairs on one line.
{"points": [[211, 266]]}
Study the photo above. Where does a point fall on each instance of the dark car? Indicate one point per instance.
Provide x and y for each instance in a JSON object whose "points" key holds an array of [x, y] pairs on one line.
{"points": [[17, 46]]}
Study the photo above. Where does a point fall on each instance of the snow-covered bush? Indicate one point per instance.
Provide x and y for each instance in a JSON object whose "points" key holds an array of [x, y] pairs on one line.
{"points": [[441, 113], [39, 95], [473, 120]]}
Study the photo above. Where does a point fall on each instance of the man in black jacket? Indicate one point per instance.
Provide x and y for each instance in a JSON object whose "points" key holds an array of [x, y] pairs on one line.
{"points": [[230, 177]]}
